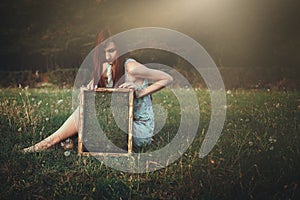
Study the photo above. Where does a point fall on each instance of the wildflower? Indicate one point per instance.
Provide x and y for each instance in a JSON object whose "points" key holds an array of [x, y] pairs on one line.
{"points": [[67, 144], [67, 153], [19, 129], [47, 119], [277, 105], [272, 140], [259, 150], [250, 143], [271, 148], [56, 111], [59, 101], [228, 92]]}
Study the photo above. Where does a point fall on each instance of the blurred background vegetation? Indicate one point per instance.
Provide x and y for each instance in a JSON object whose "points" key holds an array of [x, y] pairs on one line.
{"points": [[245, 38]]}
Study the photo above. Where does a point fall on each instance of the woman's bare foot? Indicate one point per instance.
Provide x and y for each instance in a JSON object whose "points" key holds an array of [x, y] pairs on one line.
{"points": [[41, 146], [29, 149]]}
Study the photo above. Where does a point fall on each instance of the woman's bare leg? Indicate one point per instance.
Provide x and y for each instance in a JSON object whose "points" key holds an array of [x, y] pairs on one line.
{"points": [[68, 129]]}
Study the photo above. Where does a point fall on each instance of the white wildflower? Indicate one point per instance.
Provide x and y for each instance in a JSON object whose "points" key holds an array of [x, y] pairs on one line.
{"points": [[67, 153], [59, 101], [272, 140]]}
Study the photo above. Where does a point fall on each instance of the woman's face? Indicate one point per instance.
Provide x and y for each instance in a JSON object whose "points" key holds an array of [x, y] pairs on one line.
{"points": [[110, 52]]}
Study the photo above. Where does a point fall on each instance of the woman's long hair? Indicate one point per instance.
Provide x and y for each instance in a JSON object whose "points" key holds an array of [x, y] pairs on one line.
{"points": [[99, 59]]}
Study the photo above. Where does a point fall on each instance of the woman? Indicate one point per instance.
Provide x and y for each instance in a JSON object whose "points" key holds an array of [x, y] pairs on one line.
{"points": [[108, 72]]}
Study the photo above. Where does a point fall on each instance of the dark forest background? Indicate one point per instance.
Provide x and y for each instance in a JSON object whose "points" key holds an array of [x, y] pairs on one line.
{"points": [[48, 35]]}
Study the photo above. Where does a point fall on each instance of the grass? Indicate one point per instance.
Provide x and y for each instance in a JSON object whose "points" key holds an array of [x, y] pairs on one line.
{"points": [[257, 155]]}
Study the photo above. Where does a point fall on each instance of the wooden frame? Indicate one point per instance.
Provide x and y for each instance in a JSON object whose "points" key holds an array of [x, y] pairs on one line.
{"points": [[81, 132]]}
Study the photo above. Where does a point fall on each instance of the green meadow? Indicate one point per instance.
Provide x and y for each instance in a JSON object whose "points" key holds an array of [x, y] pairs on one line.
{"points": [[256, 157]]}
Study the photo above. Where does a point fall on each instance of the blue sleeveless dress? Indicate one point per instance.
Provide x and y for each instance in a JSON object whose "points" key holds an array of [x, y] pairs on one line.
{"points": [[143, 116]]}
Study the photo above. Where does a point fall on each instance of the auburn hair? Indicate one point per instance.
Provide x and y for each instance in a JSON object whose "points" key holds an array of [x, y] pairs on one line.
{"points": [[99, 60]]}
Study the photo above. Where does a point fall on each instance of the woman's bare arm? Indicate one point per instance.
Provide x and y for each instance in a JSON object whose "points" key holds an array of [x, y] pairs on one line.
{"points": [[139, 71]]}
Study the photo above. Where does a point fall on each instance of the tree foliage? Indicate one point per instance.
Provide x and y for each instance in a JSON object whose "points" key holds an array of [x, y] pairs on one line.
{"points": [[46, 34]]}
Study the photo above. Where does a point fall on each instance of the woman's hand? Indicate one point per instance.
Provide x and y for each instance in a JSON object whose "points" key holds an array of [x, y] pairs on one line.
{"points": [[129, 85], [90, 85]]}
